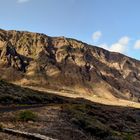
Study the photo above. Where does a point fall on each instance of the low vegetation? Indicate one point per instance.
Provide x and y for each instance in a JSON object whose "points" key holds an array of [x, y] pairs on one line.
{"points": [[13, 94], [26, 115], [96, 122], [79, 115]]}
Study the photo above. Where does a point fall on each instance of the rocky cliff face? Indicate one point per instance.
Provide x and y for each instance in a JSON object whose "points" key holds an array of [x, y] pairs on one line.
{"points": [[65, 64]]}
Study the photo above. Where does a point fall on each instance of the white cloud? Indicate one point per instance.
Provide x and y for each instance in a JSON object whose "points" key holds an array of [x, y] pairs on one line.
{"points": [[22, 1], [137, 44], [124, 40], [119, 46], [96, 35]]}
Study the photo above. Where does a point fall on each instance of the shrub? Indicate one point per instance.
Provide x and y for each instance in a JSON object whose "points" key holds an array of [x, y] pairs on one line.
{"points": [[128, 136], [26, 115], [1, 127]]}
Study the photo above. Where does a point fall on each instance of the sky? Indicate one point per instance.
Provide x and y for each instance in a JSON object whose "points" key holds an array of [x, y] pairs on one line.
{"points": [[110, 24]]}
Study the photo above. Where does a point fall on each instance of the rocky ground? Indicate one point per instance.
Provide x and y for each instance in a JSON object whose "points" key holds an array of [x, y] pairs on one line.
{"points": [[80, 120], [4, 136]]}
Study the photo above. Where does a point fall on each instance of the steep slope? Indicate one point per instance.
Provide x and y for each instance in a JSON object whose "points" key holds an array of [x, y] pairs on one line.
{"points": [[64, 64]]}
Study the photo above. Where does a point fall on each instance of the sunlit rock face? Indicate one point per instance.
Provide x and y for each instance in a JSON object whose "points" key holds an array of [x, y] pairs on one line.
{"points": [[60, 63]]}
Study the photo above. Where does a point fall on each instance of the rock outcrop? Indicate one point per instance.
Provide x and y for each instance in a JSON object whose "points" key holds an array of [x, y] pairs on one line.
{"points": [[26, 134]]}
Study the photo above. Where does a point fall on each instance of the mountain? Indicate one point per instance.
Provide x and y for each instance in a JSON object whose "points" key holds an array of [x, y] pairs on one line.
{"points": [[67, 65]]}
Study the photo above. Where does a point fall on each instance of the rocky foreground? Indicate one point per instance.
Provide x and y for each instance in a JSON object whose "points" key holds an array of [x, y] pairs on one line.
{"points": [[49, 115]]}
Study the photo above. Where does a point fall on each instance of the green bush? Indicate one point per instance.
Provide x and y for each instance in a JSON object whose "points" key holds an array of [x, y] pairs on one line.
{"points": [[26, 115], [128, 136], [1, 126]]}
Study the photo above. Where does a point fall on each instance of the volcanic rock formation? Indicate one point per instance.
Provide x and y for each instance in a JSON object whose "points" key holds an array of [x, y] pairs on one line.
{"points": [[60, 63]]}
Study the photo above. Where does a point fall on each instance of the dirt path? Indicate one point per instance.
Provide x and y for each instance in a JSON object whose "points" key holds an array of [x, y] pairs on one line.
{"points": [[13, 108], [93, 98]]}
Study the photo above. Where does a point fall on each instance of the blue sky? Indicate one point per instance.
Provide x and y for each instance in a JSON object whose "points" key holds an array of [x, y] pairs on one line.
{"points": [[111, 24]]}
